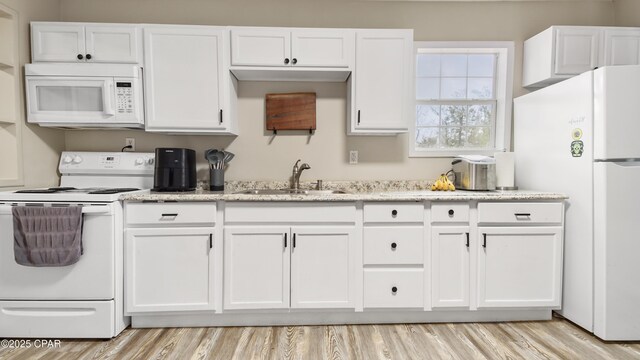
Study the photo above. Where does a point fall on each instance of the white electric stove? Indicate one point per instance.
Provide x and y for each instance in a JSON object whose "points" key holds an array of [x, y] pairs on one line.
{"points": [[83, 300]]}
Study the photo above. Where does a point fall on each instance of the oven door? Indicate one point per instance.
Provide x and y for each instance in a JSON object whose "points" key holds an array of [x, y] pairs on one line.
{"points": [[91, 278], [69, 101]]}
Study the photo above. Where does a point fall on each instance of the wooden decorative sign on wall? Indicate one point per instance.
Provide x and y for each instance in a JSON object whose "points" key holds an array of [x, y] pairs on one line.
{"points": [[293, 111]]}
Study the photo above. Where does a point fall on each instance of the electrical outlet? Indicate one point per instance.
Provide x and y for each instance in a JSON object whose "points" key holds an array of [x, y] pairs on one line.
{"points": [[132, 142], [353, 157]]}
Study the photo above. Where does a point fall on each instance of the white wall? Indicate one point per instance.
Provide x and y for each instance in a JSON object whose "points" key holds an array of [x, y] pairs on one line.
{"points": [[41, 147], [257, 157]]}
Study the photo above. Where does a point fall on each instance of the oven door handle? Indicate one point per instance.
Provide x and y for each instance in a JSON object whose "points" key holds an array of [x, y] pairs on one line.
{"points": [[93, 210]]}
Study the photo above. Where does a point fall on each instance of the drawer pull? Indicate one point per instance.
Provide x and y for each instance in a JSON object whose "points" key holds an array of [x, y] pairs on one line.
{"points": [[394, 246], [210, 241], [394, 289], [467, 239], [523, 216], [294, 240], [285, 239], [394, 213], [168, 216], [451, 212], [484, 241]]}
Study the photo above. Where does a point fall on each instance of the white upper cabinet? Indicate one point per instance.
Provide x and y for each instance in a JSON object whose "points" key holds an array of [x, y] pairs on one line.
{"points": [[561, 52], [576, 50], [77, 42], [291, 47], [263, 47], [186, 80], [621, 46], [382, 82]]}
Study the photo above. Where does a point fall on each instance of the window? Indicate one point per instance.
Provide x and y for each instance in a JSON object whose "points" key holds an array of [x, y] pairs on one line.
{"points": [[463, 98]]}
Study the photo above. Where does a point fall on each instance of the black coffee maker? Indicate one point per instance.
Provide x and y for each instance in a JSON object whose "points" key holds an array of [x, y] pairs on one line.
{"points": [[175, 170]]}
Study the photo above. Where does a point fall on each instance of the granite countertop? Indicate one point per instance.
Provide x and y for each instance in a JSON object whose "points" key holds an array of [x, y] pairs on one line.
{"points": [[357, 191]]}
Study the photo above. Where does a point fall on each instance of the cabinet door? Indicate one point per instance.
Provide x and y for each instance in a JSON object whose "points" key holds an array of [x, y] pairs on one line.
{"points": [[169, 269], [621, 46], [322, 48], [113, 43], [450, 266], [382, 81], [576, 50], [519, 267], [57, 42], [256, 267], [184, 79], [323, 267], [261, 47]]}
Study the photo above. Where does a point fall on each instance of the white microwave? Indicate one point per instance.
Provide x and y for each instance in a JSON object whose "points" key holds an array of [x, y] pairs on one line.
{"points": [[84, 95]]}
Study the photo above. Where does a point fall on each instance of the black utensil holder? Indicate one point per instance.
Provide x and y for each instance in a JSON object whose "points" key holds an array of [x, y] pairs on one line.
{"points": [[216, 179]]}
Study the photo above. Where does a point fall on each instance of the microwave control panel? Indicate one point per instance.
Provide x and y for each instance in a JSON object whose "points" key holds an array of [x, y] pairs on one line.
{"points": [[124, 97]]}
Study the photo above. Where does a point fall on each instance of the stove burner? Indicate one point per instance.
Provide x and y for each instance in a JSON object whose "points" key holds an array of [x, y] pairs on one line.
{"points": [[62, 188], [112, 191]]}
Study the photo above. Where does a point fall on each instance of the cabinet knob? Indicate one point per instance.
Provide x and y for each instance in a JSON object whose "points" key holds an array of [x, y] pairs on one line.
{"points": [[394, 245], [286, 60], [451, 212], [294, 61], [394, 213], [394, 289], [88, 56], [80, 57]]}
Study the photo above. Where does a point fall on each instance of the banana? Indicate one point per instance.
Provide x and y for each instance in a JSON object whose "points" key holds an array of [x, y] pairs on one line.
{"points": [[443, 184]]}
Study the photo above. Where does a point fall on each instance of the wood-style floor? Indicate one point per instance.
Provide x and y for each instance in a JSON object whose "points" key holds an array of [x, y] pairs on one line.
{"points": [[555, 339]]}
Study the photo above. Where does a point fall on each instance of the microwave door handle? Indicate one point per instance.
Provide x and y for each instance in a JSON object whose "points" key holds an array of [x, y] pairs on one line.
{"points": [[108, 94]]}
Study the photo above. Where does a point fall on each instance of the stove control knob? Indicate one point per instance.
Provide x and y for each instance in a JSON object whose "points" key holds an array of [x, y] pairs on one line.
{"points": [[150, 161], [139, 161], [67, 159], [77, 160]]}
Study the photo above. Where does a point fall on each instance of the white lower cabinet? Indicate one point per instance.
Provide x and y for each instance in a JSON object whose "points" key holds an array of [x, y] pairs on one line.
{"points": [[519, 267], [450, 266], [169, 269], [393, 288], [256, 267], [289, 267], [322, 267]]}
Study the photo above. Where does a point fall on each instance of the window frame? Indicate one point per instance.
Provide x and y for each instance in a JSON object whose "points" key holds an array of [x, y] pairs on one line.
{"points": [[503, 87]]}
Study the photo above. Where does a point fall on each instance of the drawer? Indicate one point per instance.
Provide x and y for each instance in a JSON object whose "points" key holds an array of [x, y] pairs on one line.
{"points": [[393, 245], [520, 213], [171, 213], [290, 212], [393, 212], [380, 283], [450, 212]]}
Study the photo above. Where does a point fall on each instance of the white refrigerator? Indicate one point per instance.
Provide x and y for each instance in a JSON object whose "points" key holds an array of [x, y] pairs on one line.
{"points": [[582, 137]]}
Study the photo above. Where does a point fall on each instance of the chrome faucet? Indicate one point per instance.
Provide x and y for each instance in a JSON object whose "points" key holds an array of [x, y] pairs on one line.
{"points": [[297, 171]]}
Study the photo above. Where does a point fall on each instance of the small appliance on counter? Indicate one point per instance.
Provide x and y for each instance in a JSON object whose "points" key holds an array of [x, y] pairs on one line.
{"points": [[175, 170], [474, 172]]}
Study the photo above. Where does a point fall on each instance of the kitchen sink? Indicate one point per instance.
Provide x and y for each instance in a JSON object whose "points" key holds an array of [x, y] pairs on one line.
{"points": [[289, 192]]}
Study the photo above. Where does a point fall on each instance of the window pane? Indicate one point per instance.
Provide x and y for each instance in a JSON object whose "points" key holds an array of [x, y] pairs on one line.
{"points": [[453, 115], [428, 88], [428, 65], [427, 137], [480, 88], [479, 115], [454, 65], [481, 65], [451, 137], [454, 88], [477, 137], [428, 115]]}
